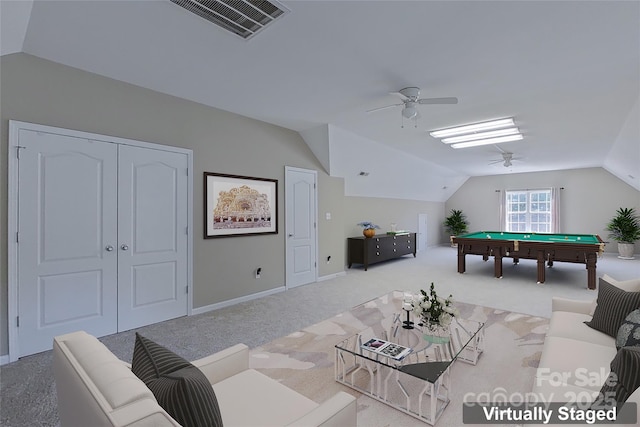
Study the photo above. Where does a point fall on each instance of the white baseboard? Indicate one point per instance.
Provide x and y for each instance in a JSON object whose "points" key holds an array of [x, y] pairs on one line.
{"points": [[235, 301], [332, 276], [4, 359]]}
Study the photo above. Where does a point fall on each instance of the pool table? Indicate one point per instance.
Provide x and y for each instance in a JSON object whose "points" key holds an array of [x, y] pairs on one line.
{"points": [[543, 247]]}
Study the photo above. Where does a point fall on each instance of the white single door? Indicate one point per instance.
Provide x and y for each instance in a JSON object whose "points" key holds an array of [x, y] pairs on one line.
{"points": [[422, 232], [300, 201], [152, 236], [66, 238]]}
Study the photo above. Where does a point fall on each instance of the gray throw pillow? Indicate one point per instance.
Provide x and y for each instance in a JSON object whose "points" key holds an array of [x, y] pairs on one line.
{"points": [[623, 380], [614, 305], [629, 332], [179, 387]]}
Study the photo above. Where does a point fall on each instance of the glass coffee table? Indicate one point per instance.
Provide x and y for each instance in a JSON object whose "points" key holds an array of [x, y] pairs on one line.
{"points": [[419, 383]]}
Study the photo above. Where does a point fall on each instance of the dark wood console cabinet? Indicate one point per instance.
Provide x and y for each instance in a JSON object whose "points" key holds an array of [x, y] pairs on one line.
{"points": [[381, 247]]}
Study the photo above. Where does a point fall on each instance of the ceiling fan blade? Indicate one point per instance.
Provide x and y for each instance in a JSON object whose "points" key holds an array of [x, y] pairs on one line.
{"points": [[384, 108], [451, 100]]}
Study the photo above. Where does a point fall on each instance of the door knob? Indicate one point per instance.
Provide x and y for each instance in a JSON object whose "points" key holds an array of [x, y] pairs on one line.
{"points": [[109, 248], [124, 247], [290, 235]]}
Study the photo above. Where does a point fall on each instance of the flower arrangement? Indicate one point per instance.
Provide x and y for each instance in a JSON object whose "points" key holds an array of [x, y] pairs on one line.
{"points": [[434, 309], [367, 225]]}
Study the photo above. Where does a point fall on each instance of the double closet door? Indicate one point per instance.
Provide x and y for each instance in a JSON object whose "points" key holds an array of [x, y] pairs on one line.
{"points": [[102, 237]]}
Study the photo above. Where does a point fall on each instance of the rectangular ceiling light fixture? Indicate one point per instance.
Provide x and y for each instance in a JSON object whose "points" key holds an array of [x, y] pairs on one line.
{"points": [[484, 133], [244, 18]]}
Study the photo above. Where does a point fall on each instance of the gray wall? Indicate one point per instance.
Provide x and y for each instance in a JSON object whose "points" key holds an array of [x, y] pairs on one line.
{"points": [[589, 200], [383, 212], [39, 91]]}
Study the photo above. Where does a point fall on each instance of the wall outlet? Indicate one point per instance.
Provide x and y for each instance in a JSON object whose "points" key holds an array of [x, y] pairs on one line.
{"points": [[258, 271], [328, 259]]}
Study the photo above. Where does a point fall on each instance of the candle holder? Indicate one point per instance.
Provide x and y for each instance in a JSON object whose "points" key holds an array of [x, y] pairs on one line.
{"points": [[407, 324], [408, 307]]}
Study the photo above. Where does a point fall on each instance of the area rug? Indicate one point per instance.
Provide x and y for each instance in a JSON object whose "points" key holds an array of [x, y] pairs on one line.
{"points": [[304, 360]]}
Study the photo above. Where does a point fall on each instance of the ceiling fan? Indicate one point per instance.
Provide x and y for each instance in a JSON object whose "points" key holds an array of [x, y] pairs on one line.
{"points": [[410, 97], [507, 159]]}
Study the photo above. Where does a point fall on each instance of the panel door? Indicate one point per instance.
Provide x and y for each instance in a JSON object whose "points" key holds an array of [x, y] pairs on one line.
{"points": [[152, 236], [422, 232], [300, 225], [67, 238]]}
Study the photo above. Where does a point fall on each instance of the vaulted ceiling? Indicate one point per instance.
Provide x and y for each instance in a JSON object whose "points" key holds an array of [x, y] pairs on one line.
{"points": [[567, 71]]}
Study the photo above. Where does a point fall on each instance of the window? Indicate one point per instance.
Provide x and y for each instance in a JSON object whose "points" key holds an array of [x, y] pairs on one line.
{"points": [[529, 211]]}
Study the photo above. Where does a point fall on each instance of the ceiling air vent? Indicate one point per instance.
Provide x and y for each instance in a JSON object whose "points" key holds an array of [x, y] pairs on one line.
{"points": [[242, 17]]}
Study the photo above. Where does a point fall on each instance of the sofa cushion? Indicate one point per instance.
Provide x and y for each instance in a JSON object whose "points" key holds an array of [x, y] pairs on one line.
{"points": [[629, 332], [250, 398], [614, 305], [565, 324], [545, 391], [180, 388], [632, 285], [566, 361], [624, 378]]}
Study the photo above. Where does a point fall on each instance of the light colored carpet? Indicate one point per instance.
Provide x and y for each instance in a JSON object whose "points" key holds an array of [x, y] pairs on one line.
{"points": [[27, 389], [304, 360]]}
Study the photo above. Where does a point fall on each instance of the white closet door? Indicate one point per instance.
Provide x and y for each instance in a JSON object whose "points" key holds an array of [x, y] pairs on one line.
{"points": [[152, 236], [300, 200], [67, 238]]}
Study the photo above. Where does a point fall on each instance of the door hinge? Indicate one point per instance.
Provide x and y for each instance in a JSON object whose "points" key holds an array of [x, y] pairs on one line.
{"points": [[17, 321], [17, 237], [186, 230], [18, 147], [186, 289]]}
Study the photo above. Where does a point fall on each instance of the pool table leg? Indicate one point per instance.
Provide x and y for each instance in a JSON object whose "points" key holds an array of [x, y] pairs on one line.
{"points": [[461, 259], [591, 271], [497, 264], [541, 269]]}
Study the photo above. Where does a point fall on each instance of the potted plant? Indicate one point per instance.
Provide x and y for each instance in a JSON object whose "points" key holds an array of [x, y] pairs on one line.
{"points": [[368, 228], [455, 224], [624, 228]]}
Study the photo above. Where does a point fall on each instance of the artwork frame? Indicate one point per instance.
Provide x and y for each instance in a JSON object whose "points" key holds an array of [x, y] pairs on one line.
{"points": [[236, 205]]}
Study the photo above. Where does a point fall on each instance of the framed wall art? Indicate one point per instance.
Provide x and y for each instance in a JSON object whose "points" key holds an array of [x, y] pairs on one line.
{"points": [[239, 205]]}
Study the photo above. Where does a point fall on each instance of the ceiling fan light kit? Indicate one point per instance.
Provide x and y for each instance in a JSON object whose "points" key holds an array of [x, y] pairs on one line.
{"points": [[410, 111], [476, 134], [410, 97]]}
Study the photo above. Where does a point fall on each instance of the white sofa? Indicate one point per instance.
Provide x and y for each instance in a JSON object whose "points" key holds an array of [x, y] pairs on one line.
{"points": [[576, 359], [95, 388]]}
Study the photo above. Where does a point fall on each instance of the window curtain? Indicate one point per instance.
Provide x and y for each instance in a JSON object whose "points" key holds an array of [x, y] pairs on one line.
{"points": [[502, 214], [555, 209]]}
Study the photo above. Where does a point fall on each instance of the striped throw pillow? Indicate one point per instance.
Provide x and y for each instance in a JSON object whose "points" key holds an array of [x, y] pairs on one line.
{"points": [[614, 305], [623, 380], [179, 387]]}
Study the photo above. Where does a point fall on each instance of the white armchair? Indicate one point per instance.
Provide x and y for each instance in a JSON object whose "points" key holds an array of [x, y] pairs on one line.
{"points": [[96, 388]]}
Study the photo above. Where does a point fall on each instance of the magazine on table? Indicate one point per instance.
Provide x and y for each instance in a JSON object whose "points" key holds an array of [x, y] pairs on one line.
{"points": [[386, 348]]}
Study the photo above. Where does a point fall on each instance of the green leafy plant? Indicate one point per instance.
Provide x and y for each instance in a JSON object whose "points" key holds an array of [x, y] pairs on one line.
{"points": [[367, 225], [625, 226], [456, 223]]}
